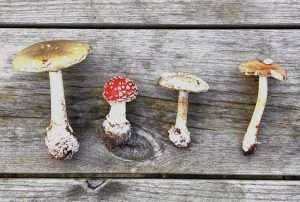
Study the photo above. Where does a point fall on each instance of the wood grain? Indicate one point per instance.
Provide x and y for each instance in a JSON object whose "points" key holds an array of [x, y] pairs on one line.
{"points": [[217, 119], [150, 12], [44, 190]]}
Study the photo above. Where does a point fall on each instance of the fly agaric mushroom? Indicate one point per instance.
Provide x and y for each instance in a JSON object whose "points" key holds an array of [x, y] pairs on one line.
{"points": [[264, 70], [52, 57], [117, 91], [184, 83]]}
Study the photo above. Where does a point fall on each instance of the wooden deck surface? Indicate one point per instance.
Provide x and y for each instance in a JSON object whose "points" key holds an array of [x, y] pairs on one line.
{"points": [[113, 190], [150, 12], [142, 39]]}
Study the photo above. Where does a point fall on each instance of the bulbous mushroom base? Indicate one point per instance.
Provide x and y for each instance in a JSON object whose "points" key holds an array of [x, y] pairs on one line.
{"points": [[60, 142], [116, 133], [251, 150], [180, 137], [250, 142]]}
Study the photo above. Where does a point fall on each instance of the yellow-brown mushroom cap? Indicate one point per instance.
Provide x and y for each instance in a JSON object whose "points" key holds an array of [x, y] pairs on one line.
{"points": [[258, 68], [50, 56]]}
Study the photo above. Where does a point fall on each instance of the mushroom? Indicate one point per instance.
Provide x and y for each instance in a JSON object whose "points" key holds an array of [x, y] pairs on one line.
{"points": [[263, 70], [52, 57], [117, 91], [184, 83]]}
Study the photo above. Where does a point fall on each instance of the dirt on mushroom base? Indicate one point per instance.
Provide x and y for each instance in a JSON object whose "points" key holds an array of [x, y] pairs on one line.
{"points": [[115, 134], [141, 146], [61, 142]]}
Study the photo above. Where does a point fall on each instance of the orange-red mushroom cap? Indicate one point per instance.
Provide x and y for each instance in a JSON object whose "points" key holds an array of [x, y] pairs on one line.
{"points": [[120, 89]]}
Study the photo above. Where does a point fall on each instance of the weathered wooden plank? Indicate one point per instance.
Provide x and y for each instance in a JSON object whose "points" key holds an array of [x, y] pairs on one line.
{"points": [[217, 119], [150, 12], [146, 190]]}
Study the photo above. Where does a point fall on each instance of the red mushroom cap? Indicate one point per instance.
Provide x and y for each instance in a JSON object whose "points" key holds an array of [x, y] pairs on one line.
{"points": [[120, 89]]}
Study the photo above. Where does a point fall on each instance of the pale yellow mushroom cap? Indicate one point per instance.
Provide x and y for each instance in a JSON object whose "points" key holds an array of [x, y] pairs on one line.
{"points": [[50, 56], [183, 81]]}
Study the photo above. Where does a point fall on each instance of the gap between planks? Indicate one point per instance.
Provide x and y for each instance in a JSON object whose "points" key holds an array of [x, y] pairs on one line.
{"points": [[147, 26], [148, 176]]}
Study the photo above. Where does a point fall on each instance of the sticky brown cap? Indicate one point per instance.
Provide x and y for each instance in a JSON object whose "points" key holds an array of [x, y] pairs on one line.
{"points": [[50, 56], [258, 68], [183, 81]]}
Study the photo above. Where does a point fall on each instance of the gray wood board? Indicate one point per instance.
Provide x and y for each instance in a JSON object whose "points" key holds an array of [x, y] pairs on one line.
{"points": [[217, 119], [147, 190], [150, 12]]}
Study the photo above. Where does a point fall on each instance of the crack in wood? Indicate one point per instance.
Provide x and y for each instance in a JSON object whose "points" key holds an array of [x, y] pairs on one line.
{"points": [[95, 185]]}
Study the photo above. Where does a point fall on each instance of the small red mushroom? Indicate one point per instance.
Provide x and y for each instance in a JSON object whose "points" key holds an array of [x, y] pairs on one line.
{"points": [[117, 91]]}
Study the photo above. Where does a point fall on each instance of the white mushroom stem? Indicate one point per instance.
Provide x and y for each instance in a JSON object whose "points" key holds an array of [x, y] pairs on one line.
{"points": [[59, 139], [58, 104], [182, 110], [250, 138], [117, 112]]}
